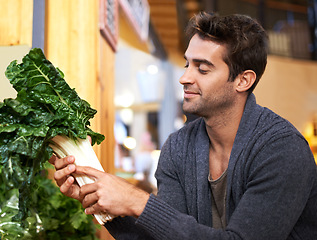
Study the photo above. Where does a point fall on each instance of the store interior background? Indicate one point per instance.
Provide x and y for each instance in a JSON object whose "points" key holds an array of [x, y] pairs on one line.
{"points": [[150, 101], [146, 62]]}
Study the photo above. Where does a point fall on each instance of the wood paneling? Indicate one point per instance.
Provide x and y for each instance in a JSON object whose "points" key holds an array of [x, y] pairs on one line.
{"points": [[16, 22], [106, 119], [107, 109], [74, 44], [164, 20]]}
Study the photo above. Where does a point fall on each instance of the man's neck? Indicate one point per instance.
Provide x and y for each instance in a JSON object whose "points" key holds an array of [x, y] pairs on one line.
{"points": [[222, 130]]}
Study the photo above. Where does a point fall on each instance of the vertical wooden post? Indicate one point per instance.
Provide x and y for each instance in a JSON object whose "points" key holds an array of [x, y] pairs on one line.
{"points": [[74, 44], [107, 113]]}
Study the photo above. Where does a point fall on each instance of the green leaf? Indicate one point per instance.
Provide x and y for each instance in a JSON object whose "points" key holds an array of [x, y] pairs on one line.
{"points": [[45, 106], [51, 224], [18, 107], [78, 219], [46, 219]]}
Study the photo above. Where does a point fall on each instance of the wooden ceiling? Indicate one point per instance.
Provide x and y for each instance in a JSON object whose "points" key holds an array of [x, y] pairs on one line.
{"points": [[168, 18]]}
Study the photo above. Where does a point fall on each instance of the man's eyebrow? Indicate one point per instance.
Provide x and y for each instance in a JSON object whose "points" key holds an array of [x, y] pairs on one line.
{"points": [[200, 61]]}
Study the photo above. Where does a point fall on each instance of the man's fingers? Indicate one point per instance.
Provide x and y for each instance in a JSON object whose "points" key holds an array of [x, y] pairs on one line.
{"points": [[65, 187], [95, 209], [89, 200], [63, 162], [91, 210], [89, 171], [68, 188], [61, 175]]}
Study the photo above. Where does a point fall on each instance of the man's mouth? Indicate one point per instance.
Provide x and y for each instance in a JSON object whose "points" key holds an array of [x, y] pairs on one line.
{"points": [[190, 93]]}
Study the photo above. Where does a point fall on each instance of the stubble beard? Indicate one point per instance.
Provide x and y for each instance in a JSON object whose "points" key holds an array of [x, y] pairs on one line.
{"points": [[211, 107]]}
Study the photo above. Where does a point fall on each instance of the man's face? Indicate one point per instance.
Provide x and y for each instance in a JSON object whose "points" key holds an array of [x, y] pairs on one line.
{"points": [[207, 91]]}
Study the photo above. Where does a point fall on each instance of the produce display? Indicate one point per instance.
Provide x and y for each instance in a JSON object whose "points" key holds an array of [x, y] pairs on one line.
{"points": [[45, 115], [51, 215]]}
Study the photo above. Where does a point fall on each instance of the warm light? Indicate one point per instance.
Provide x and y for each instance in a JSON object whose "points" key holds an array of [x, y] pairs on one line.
{"points": [[152, 69], [126, 115], [155, 154], [129, 143], [310, 133], [124, 100]]}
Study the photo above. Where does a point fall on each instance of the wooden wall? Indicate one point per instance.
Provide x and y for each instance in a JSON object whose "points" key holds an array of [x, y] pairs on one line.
{"points": [[16, 18]]}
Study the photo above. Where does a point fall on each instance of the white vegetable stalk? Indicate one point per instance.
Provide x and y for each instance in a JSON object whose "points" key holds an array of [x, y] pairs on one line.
{"points": [[84, 155]]}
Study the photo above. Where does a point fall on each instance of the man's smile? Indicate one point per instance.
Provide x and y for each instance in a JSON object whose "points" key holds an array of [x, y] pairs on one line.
{"points": [[190, 93]]}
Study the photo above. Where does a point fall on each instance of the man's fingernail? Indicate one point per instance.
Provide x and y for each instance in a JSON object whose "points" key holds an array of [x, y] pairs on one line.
{"points": [[71, 167], [70, 159]]}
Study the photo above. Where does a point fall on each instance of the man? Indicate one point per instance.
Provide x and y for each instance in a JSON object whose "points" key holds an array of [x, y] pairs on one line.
{"points": [[238, 172]]}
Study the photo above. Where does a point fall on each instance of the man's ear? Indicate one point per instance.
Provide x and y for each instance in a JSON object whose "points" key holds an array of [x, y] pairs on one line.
{"points": [[245, 80]]}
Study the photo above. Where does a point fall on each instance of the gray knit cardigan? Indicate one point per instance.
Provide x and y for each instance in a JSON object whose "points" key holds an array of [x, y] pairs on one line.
{"points": [[271, 189]]}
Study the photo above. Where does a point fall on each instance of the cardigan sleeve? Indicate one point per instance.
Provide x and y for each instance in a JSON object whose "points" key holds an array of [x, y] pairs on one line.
{"points": [[124, 228]]}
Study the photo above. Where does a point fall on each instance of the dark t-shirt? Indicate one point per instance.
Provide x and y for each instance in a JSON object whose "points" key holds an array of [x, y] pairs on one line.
{"points": [[218, 199]]}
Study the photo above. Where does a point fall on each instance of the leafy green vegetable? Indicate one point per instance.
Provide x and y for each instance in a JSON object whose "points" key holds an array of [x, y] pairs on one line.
{"points": [[52, 215], [45, 106]]}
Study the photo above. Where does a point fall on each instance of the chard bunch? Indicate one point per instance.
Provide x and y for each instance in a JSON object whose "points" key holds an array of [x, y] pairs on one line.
{"points": [[45, 108]]}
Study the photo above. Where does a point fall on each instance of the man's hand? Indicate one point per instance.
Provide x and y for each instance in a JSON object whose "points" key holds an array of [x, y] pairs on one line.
{"points": [[64, 168], [111, 194]]}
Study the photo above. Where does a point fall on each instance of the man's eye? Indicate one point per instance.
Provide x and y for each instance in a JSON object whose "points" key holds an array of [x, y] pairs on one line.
{"points": [[186, 65], [202, 71]]}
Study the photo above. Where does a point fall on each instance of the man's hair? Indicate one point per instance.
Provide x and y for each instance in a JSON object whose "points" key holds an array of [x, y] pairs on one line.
{"points": [[245, 39]]}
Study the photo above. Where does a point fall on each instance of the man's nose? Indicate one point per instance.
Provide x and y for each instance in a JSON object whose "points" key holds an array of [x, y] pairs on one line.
{"points": [[186, 78]]}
